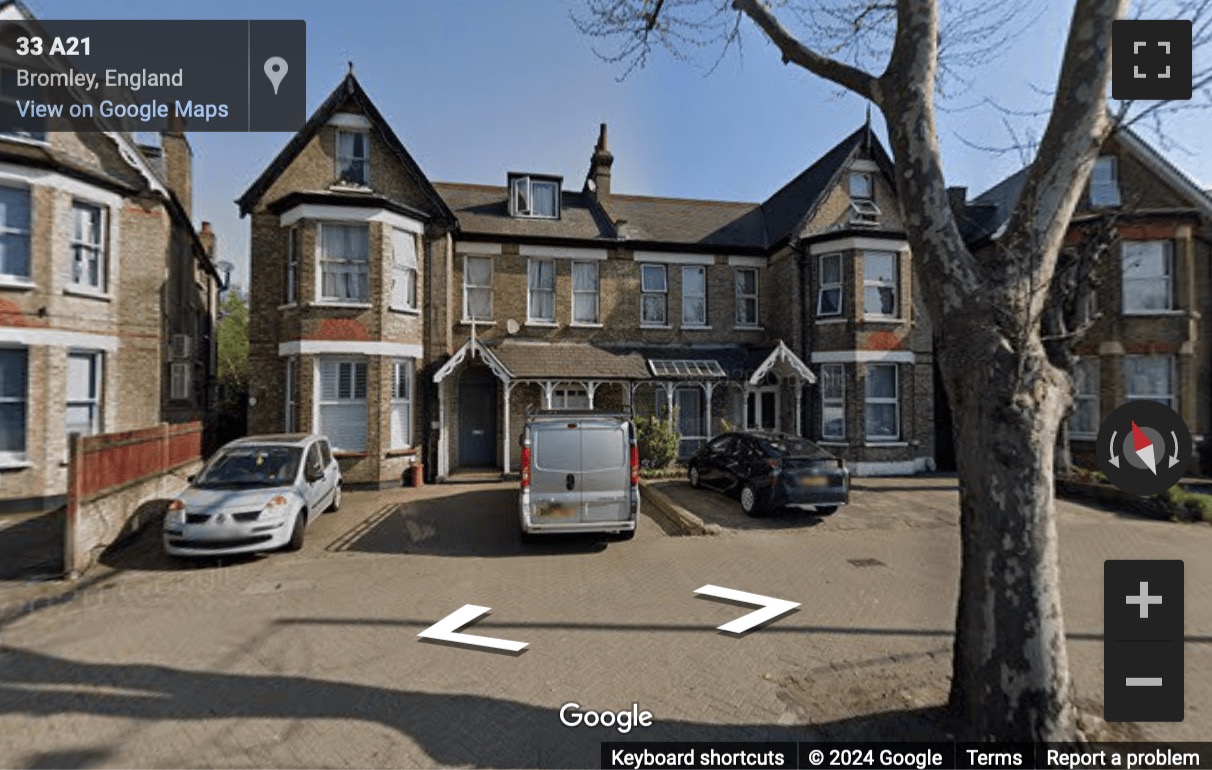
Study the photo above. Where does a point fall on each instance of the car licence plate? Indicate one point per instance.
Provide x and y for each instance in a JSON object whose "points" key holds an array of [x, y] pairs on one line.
{"points": [[814, 481], [556, 511]]}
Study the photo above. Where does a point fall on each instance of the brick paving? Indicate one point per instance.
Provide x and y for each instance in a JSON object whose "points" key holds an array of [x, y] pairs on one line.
{"points": [[311, 659]]}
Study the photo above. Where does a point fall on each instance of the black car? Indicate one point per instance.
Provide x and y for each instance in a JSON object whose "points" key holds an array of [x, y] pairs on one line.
{"points": [[770, 470]]}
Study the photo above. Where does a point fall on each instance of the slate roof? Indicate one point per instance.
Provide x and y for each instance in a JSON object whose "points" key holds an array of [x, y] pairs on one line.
{"points": [[727, 225], [576, 360], [484, 210]]}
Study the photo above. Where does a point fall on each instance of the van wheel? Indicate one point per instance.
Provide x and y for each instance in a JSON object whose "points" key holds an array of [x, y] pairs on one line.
{"points": [[825, 510], [335, 505], [296, 533], [693, 476], [751, 505]]}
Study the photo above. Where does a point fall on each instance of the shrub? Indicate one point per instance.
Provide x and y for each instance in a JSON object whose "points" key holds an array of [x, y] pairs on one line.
{"points": [[1187, 506], [657, 442]]}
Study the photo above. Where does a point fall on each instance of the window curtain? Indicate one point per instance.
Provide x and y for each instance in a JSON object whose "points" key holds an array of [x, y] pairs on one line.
{"points": [[346, 250]]}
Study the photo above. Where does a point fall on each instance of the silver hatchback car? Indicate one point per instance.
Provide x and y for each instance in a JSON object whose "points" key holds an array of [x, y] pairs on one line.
{"points": [[256, 494]]}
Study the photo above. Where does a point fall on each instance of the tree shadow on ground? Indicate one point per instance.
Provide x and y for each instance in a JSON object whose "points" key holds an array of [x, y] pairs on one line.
{"points": [[452, 730]]}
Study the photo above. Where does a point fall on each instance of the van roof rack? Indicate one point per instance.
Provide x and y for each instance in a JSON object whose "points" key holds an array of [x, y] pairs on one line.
{"points": [[577, 413]]}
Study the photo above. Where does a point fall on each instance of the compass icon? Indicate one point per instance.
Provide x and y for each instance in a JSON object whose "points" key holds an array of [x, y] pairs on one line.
{"points": [[1144, 447]]}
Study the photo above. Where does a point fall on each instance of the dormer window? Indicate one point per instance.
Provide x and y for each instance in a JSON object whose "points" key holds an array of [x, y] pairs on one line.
{"points": [[532, 196], [353, 158]]}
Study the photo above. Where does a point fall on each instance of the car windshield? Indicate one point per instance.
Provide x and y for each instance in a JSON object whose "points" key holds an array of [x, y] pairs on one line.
{"points": [[791, 446], [268, 466]]}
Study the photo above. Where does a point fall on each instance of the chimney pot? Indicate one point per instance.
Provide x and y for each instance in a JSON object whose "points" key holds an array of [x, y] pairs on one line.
{"points": [[599, 168]]}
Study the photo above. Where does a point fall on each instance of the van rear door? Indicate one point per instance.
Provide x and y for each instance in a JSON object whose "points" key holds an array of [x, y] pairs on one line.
{"points": [[605, 480], [555, 470]]}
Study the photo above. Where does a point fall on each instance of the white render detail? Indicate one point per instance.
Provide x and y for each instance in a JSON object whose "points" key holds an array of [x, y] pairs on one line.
{"points": [[349, 347], [339, 214], [864, 357]]}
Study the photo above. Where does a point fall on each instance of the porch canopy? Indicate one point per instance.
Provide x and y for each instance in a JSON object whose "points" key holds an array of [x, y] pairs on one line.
{"points": [[590, 366]]}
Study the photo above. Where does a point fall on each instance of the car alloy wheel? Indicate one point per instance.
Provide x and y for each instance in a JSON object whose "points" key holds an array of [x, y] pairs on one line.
{"points": [[749, 502], [693, 474], [297, 532]]}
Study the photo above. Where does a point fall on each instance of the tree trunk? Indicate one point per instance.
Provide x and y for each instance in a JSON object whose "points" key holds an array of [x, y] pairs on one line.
{"points": [[1010, 677]]}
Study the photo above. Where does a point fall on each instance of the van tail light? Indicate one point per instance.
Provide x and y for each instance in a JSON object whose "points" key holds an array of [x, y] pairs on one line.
{"points": [[635, 465], [525, 467]]}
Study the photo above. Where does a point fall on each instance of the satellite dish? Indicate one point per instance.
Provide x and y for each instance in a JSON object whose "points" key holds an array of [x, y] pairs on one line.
{"points": [[512, 326]]}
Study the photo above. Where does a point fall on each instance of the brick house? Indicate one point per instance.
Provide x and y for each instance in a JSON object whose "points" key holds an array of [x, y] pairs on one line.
{"points": [[107, 293], [1152, 333], [418, 321]]}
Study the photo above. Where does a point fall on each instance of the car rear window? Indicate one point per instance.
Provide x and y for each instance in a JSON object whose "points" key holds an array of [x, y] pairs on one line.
{"points": [[603, 448], [790, 446], [557, 448]]}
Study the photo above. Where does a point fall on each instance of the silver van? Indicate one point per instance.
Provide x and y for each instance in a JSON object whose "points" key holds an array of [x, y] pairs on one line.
{"points": [[580, 473]]}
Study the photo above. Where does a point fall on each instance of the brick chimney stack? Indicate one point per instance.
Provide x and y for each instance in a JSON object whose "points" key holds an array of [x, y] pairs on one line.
{"points": [[599, 168], [207, 236], [177, 158]]}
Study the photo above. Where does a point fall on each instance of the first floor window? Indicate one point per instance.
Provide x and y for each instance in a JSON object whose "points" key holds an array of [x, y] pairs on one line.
{"points": [[88, 246], [344, 263], [84, 392], [541, 280], [694, 296], [747, 296], [293, 251], [477, 288], [181, 381], [654, 289], [14, 232], [880, 284], [290, 420], [1084, 421], [1150, 378], [14, 387], [585, 292], [883, 403], [401, 402], [403, 270], [833, 401], [1147, 276], [829, 298], [342, 402]]}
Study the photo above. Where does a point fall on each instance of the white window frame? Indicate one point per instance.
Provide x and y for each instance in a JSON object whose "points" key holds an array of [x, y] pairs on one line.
{"points": [[663, 293], [581, 294], [181, 381], [1104, 192], [8, 230], [18, 457], [402, 404], [742, 297], [870, 181], [533, 270], [895, 284], [1171, 397], [1167, 279], [835, 373], [96, 400], [294, 252], [98, 249], [467, 258], [322, 259], [570, 395], [755, 393], [402, 271], [351, 400], [895, 400], [364, 160], [1086, 399], [831, 286], [705, 321], [290, 417], [523, 187]]}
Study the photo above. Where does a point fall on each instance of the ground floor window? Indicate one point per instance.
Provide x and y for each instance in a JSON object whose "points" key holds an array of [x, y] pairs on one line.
{"points": [[401, 402], [14, 387], [883, 403], [569, 397], [341, 405], [833, 402], [1150, 378], [1084, 421], [84, 392], [689, 405], [290, 422], [762, 408]]}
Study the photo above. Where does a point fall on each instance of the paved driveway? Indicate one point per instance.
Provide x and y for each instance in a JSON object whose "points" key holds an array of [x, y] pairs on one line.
{"points": [[312, 659]]}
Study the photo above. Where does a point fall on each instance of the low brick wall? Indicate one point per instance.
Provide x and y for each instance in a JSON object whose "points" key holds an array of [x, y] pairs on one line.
{"points": [[672, 517], [113, 517], [1110, 498]]}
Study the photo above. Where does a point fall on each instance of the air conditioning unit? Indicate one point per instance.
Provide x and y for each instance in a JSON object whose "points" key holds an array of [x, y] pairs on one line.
{"points": [[864, 213], [183, 346]]}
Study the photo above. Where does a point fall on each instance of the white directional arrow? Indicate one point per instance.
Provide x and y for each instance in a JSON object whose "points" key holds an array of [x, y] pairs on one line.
{"points": [[447, 630], [1174, 457], [1114, 457], [771, 608]]}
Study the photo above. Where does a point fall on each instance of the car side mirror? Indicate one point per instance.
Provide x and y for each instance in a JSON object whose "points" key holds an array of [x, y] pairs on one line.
{"points": [[313, 474]]}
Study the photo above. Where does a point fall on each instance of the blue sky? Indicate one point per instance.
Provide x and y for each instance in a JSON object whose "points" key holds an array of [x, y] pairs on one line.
{"points": [[476, 88]]}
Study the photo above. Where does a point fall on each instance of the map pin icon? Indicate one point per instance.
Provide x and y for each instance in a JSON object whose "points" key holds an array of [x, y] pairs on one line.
{"points": [[275, 70]]}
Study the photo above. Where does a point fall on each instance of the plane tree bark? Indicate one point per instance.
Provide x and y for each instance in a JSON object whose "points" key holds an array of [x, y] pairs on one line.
{"points": [[1011, 675]]}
